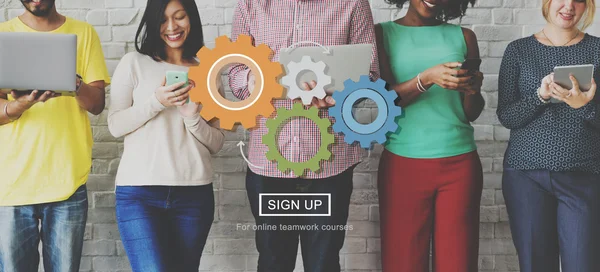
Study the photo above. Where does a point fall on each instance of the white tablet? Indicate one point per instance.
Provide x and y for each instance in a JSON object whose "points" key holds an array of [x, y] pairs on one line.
{"points": [[343, 62]]}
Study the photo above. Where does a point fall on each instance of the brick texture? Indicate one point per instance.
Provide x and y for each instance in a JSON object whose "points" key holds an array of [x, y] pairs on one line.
{"points": [[230, 247]]}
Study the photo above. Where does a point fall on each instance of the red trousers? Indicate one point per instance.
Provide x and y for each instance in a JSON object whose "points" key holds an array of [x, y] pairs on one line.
{"points": [[429, 200]]}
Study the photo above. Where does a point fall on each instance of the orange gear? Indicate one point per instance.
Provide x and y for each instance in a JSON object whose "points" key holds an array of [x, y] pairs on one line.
{"points": [[208, 79]]}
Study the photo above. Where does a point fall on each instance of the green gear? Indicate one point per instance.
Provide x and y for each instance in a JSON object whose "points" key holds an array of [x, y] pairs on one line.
{"points": [[270, 139]]}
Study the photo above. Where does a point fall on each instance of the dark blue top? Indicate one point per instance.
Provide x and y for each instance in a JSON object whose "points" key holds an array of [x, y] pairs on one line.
{"points": [[551, 136]]}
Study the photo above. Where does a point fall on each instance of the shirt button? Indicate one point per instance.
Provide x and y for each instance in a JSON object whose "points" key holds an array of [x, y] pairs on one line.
{"points": [[298, 26], [295, 139]]}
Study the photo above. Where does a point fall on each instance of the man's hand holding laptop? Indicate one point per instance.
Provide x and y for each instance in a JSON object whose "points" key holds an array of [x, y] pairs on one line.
{"points": [[324, 103]]}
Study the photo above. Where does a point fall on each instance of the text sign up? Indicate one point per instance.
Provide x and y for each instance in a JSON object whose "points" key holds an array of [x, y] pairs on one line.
{"points": [[308, 204]]}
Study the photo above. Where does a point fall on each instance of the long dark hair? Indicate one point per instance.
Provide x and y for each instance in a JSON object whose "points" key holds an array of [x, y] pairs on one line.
{"points": [[455, 9], [148, 33]]}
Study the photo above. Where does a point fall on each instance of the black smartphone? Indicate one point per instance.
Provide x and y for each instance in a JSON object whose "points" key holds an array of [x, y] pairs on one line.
{"points": [[471, 65]]}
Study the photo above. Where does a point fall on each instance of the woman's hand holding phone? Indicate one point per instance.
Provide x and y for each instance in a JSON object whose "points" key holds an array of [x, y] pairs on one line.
{"points": [[448, 77], [192, 108], [475, 83], [172, 95]]}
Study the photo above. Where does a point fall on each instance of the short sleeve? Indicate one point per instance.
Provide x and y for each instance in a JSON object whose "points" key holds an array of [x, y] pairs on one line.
{"points": [[95, 68]]}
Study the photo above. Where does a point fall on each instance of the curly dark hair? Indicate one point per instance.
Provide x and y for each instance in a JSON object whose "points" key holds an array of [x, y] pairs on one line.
{"points": [[453, 10]]}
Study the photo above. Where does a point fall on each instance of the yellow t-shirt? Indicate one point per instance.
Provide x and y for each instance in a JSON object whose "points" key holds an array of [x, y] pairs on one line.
{"points": [[47, 153]]}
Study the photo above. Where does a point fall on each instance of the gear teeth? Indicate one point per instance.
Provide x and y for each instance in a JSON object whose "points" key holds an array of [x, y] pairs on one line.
{"points": [[395, 111], [380, 83], [337, 127], [223, 41], [278, 68], [292, 66], [306, 100], [264, 51], [270, 140], [295, 91], [381, 138], [314, 167], [321, 66], [365, 78], [201, 53], [388, 108], [337, 96], [244, 39], [270, 70], [270, 156], [207, 115], [349, 137], [312, 111], [297, 107], [227, 123], [297, 172], [280, 111], [325, 123], [365, 144], [347, 83], [390, 95], [306, 60]]}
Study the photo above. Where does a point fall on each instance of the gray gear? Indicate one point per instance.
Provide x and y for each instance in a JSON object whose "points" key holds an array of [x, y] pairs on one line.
{"points": [[294, 91]]}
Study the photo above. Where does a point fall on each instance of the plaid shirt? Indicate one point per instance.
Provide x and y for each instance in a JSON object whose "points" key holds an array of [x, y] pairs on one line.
{"points": [[279, 24]]}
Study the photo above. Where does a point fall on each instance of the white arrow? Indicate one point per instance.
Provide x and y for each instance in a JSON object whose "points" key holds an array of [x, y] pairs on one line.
{"points": [[241, 145], [325, 48]]}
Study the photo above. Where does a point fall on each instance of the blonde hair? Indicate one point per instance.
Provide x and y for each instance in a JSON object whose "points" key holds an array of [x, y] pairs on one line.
{"points": [[588, 16]]}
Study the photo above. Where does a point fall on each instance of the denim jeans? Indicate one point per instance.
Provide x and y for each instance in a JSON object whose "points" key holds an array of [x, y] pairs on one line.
{"points": [[552, 215], [61, 233], [164, 228], [320, 248]]}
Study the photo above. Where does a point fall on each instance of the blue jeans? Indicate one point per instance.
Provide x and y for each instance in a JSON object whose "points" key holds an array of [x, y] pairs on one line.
{"points": [[61, 233], [320, 248], [164, 228], [554, 214]]}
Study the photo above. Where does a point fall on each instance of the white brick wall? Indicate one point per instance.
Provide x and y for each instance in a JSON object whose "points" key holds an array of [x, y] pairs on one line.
{"points": [[496, 22]]}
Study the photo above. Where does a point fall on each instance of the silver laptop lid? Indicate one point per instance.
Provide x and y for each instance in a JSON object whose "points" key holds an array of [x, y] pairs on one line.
{"points": [[42, 61], [343, 62]]}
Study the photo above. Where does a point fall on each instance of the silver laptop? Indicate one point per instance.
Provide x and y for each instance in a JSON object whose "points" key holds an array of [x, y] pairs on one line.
{"points": [[343, 62], [38, 61]]}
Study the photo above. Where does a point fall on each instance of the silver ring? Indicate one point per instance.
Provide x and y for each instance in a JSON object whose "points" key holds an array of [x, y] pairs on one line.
{"points": [[569, 95]]}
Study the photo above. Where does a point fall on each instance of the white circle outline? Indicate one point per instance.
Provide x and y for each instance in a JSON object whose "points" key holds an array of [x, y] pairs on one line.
{"points": [[262, 84]]}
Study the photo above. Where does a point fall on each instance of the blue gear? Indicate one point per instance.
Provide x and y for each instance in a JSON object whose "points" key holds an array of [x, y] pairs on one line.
{"points": [[345, 122]]}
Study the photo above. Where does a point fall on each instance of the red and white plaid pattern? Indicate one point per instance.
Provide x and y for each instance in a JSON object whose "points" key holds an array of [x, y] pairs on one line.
{"points": [[279, 24]]}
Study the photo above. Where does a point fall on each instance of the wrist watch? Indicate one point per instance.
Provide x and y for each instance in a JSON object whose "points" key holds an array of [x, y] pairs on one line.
{"points": [[78, 84]]}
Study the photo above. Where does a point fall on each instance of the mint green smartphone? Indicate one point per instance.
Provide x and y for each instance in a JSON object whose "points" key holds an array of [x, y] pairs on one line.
{"points": [[176, 77]]}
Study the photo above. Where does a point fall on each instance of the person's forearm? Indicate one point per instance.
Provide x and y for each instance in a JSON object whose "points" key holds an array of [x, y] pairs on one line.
{"points": [[3, 118], [209, 136], [473, 106], [407, 91], [91, 98], [14, 112]]}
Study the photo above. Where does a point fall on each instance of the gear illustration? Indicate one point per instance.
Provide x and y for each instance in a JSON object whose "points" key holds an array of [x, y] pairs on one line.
{"points": [[270, 139], [364, 133], [208, 79], [294, 69]]}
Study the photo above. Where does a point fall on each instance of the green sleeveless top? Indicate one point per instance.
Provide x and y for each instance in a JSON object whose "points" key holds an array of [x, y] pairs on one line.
{"points": [[434, 125]]}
